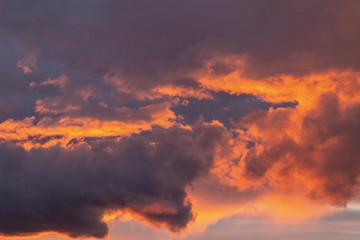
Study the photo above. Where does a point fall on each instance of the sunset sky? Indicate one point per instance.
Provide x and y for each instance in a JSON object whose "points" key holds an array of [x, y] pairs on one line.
{"points": [[180, 119]]}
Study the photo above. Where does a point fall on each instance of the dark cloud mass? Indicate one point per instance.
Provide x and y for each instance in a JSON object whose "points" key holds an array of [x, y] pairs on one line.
{"points": [[122, 36], [69, 190], [109, 105], [225, 108], [145, 45]]}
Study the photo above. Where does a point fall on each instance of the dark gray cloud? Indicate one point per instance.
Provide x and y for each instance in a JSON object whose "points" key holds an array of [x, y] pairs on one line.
{"points": [[15, 102], [141, 41], [68, 190], [224, 107], [147, 45]]}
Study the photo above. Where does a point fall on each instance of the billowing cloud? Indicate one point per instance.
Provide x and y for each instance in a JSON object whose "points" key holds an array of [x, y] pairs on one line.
{"points": [[70, 190], [309, 149], [170, 110], [323, 148]]}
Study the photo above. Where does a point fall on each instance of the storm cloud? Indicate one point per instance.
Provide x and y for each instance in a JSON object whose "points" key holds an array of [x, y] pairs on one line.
{"points": [[69, 190]]}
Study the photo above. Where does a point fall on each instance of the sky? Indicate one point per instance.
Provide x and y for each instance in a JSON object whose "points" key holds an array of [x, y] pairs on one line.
{"points": [[180, 120]]}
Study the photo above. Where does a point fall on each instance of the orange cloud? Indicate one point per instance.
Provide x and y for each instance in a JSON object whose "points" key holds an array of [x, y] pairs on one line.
{"points": [[309, 149], [25, 132]]}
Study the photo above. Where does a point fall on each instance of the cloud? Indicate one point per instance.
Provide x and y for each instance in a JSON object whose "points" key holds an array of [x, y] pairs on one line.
{"points": [[142, 52], [223, 107], [108, 119], [69, 190], [28, 64], [312, 151], [283, 37]]}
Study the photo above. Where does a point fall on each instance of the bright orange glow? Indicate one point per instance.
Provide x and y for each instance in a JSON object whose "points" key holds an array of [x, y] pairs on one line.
{"points": [[78, 128], [49, 235], [288, 88], [290, 207], [181, 91], [208, 212]]}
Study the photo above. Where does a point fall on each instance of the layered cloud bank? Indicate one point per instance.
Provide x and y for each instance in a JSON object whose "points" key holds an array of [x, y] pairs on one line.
{"points": [[169, 110]]}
